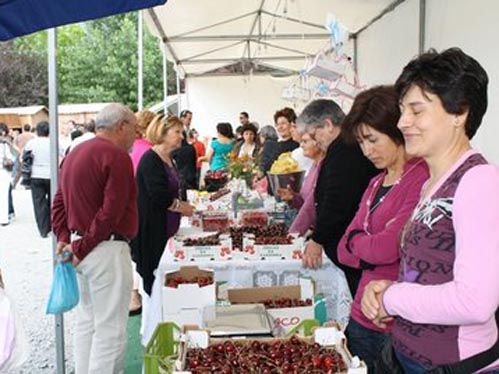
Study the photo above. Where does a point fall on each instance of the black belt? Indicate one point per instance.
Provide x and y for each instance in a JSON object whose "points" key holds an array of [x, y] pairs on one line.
{"points": [[115, 237]]}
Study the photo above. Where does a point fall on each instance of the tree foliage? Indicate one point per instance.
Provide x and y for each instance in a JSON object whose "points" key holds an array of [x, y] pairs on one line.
{"points": [[23, 77], [97, 61]]}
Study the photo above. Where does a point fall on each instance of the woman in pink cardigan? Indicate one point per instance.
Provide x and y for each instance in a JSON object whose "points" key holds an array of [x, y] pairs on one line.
{"points": [[370, 242], [445, 301], [304, 200]]}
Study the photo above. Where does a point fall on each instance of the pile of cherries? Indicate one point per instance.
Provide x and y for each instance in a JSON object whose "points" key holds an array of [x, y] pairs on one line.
{"points": [[216, 175], [254, 218], [276, 233], [293, 356], [203, 241], [274, 230], [201, 281], [217, 195], [285, 302], [215, 222], [277, 240]]}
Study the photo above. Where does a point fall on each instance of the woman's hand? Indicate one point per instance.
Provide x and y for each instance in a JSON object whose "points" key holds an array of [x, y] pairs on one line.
{"points": [[372, 301], [312, 255], [286, 194], [186, 209]]}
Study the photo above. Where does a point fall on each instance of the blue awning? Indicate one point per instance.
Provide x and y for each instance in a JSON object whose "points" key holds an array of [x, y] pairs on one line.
{"points": [[21, 17]]}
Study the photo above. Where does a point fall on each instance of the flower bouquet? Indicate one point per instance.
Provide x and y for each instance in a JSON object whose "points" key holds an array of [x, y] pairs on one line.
{"points": [[244, 168]]}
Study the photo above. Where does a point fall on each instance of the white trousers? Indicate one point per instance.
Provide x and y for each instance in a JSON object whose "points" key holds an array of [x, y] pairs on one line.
{"points": [[100, 336], [4, 195]]}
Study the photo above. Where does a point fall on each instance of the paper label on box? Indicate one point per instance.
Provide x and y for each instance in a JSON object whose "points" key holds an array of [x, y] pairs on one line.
{"points": [[288, 318], [271, 251], [328, 336], [203, 253], [198, 338]]}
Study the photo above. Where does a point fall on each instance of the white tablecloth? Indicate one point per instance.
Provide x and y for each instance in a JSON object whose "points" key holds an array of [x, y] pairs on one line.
{"points": [[329, 281]]}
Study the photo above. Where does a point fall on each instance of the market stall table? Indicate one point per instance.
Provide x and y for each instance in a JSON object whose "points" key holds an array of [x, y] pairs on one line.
{"points": [[329, 280]]}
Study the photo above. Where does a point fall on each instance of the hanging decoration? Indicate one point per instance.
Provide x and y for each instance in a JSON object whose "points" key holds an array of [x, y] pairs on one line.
{"points": [[329, 74]]}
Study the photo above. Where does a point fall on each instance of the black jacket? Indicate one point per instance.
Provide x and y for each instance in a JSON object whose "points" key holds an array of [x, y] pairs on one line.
{"points": [[153, 201], [268, 155], [185, 158], [342, 180]]}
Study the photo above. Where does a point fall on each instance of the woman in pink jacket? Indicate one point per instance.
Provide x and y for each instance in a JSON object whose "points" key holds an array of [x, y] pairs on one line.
{"points": [[370, 242], [445, 300]]}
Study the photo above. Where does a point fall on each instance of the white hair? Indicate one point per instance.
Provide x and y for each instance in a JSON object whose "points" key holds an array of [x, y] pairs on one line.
{"points": [[111, 115]]}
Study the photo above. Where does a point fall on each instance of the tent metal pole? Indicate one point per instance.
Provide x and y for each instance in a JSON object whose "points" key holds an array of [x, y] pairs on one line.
{"points": [[355, 54], [165, 81], [140, 95], [422, 25], [178, 91], [54, 166]]}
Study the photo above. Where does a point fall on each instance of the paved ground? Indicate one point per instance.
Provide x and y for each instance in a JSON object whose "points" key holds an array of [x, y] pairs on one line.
{"points": [[26, 263]]}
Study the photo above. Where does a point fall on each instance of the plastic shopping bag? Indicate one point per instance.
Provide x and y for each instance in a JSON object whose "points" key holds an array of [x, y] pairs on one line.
{"points": [[14, 346], [65, 294], [7, 328]]}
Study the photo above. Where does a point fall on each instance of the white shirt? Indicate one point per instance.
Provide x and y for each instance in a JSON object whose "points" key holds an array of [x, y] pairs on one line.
{"points": [[304, 163], [242, 151], [40, 148], [81, 139]]}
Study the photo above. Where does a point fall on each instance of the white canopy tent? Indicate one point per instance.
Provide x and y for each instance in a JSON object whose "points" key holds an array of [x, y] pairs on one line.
{"points": [[239, 56]]}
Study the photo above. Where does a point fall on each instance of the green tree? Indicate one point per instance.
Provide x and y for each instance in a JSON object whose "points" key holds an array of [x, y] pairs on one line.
{"points": [[97, 61], [23, 78]]}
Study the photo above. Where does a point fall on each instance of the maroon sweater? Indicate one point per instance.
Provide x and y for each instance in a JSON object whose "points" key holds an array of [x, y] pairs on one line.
{"points": [[96, 196]]}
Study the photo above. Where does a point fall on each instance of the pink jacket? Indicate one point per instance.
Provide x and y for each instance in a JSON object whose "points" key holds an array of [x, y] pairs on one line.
{"points": [[373, 238], [140, 146], [471, 298]]}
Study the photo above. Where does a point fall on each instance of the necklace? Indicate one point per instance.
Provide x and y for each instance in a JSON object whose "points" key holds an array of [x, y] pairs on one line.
{"points": [[371, 209]]}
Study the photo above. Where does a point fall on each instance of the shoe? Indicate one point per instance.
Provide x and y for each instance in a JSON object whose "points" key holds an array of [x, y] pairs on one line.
{"points": [[135, 306], [135, 312]]}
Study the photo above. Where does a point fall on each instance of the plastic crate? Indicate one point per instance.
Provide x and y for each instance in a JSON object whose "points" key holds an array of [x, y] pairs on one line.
{"points": [[163, 344]]}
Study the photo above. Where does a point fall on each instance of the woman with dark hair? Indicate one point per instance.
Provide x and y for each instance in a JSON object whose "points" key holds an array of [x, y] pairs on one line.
{"points": [[370, 242], [220, 147], [284, 120], [248, 146], [40, 177], [447, 294]]}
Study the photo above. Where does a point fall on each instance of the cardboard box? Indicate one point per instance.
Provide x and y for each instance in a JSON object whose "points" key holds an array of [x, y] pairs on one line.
{"points": [[284, 319], [254, 251], [202, 253], [184, 304], [325, 336]]}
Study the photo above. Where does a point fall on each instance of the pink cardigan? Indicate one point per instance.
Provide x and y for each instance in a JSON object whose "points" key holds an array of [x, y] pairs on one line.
{"points": [[374, 238], [472, 297], [140, 146], [305, 202]]}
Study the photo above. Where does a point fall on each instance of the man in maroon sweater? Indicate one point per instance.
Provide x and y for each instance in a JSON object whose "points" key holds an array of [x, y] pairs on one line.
{"points": [[94, 217]]}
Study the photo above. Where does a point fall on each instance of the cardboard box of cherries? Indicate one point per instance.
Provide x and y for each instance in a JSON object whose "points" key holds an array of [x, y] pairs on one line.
{"points": [[325, 352]]}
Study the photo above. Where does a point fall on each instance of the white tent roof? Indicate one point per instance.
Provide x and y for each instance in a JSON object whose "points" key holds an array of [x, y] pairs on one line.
{"points": [[203, 36]]}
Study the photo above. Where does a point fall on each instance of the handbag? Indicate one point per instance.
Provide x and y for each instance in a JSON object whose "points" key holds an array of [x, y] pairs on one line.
{"points": [[474, 363], [26, 167], [387, 361], [7, 162]]}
